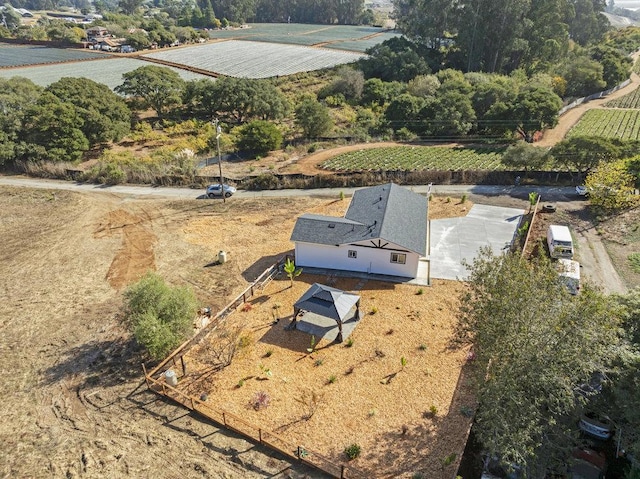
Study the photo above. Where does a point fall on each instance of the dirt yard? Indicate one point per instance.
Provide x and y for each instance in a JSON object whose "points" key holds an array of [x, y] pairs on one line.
{"points": [[74, 404]]}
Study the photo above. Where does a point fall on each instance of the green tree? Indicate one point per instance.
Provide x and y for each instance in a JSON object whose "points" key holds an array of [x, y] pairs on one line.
{"points": [[52, 131], [129, 7], [160, 316], [534, 109], [534, 344], [349, 83], [159, 88], [524, 156], [394, 60], [105, 116], [313, 117], [260, 136], [12, 19], [616, 66], [582, 154], [404, 112], [17, 95], [583, 75], [378, 92], [611, 186], [241, 99]]}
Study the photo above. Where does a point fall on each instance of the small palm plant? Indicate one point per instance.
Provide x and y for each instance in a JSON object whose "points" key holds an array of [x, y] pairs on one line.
{"points": [[291, 270]]}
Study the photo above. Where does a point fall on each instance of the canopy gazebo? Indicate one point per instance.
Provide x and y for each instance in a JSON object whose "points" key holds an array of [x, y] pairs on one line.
{"points": [[323, 309]]}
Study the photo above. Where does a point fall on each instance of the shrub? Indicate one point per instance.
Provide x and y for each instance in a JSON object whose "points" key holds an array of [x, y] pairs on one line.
{"points": [[420, 291], [634, 262], [463, 199], [161, 317], [265, 181], [352, 451], [106, 173], [349, 343], [374, 310], [332, 379], [260, 136], [260, 400]]}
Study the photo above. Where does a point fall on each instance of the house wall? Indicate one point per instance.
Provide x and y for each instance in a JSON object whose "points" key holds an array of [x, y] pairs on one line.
{"points": [[368, 260]]}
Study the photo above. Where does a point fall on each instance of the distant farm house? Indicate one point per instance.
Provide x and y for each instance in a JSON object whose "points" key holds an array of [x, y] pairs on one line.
{"points": [[384, 231]]}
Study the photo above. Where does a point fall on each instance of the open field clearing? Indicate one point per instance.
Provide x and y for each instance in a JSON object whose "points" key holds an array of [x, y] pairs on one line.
{"points": [[22, 55], [623, 124], [417, 158], [255, 59], [108, 71], [630, 100], [344, 37], [73, 402]]}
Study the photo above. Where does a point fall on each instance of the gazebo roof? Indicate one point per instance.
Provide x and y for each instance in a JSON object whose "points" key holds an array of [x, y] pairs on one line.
{"points": [[326, 301]]}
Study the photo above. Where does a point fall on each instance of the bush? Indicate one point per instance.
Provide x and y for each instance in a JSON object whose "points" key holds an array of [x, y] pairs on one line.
{"points": [[352, 451], [260, 136], [106, 173], [160, 316], [263, 182]]}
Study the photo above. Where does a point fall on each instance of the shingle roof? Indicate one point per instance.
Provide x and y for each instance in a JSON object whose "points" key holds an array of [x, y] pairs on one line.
{"points": [[389, 212], [326, 301]]}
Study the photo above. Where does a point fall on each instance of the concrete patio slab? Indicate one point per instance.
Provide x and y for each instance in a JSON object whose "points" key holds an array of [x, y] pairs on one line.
{"points": [[456, 239]]}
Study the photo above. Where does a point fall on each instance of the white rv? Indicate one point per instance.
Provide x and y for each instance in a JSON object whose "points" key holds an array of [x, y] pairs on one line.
{"points": [[560, 242]]}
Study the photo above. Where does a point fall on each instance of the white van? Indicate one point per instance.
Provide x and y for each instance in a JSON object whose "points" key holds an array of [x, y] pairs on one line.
{"points": [[560, 242], [569, 271]]}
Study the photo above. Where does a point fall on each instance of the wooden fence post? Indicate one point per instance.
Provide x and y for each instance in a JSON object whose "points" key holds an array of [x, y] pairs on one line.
{"points": [[260, 435], [146, 378], [224, 419], [184, 368]]}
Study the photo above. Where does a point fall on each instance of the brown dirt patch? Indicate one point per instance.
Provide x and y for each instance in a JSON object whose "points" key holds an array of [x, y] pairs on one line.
{"points": [[135, 256]]}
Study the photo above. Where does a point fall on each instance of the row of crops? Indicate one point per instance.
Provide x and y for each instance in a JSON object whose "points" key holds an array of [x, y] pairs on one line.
{"points": [[254, 59], [630, 100], [22, 55], [345, 37], [623, 124], [108, 71], [417, 158]]}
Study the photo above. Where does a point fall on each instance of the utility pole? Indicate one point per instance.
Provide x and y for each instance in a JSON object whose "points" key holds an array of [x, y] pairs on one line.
{"points": [[218, 133]]}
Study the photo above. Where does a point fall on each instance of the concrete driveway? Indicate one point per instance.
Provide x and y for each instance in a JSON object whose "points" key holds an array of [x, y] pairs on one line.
{"points": [[456, 239]]}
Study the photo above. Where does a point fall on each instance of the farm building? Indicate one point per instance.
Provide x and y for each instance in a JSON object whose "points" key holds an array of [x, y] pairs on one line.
{"points": [[384, 231]]}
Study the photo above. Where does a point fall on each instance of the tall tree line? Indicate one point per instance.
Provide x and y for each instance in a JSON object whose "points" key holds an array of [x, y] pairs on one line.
{"points": [[346, 12], [501, 35]]}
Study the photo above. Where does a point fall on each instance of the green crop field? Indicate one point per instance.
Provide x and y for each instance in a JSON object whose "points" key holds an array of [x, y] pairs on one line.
{"points": [[418, 158], [623, 124], [344, 37], [630, 100]]}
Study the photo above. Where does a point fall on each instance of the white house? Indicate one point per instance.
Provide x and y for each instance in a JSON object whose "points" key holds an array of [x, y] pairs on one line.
{"points": [[384, 231]]}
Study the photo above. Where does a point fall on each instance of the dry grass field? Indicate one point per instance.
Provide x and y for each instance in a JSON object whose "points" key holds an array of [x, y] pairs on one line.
{"points": [[74, 405]]}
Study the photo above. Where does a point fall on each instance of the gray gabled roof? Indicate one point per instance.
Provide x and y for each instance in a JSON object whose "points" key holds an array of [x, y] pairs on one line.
{"points": [[389, 212], [326, 301]]}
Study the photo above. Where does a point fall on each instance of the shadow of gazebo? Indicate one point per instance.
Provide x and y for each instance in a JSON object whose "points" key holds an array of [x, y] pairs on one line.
{"points": [[325, 312]]}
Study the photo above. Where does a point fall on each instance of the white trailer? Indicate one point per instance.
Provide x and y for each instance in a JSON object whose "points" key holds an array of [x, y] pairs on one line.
{"points": [[560, 242], [569, 272]]}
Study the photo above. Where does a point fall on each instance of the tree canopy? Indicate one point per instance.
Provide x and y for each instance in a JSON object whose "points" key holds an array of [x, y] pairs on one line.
{"points": [[159, 315], [535, 344], [155, 87]]}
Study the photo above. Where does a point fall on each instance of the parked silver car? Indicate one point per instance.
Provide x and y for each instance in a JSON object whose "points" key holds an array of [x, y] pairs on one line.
{"points": [[215, 190]]}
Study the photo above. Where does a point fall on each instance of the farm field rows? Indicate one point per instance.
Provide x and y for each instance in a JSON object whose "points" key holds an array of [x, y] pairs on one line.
{"points": [[345, 37], [630, 100], [254, 59], [417, 158], [107, 71], [22, 55], [623, 124]]}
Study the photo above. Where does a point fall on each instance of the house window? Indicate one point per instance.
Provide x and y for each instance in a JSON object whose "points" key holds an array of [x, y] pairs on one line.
{"points": [[399, 258], [353, 253]]}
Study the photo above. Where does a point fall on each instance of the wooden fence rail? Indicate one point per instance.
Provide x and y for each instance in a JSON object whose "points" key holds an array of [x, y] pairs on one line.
{"points": [[156, 382], [256, 434], [533, 218]]}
